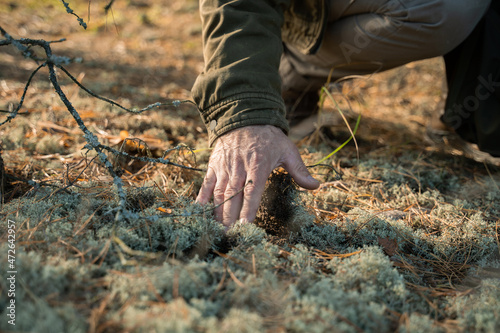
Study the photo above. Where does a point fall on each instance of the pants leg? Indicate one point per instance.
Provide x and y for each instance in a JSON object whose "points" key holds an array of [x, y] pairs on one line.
{"points": [[367, 36]]}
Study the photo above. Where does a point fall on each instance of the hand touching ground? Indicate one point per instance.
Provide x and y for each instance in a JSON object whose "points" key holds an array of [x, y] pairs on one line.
{"points": [[239, 166]]}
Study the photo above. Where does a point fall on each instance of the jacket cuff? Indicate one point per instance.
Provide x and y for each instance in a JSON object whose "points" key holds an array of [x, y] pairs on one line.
{"points": [[245, 109]]}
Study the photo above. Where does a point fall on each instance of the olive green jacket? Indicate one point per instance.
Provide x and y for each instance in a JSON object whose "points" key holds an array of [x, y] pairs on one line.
{"points": [[242, 46]]}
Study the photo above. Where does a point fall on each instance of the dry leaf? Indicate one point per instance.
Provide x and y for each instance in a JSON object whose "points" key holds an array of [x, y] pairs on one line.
{"points": [[389, 246]]}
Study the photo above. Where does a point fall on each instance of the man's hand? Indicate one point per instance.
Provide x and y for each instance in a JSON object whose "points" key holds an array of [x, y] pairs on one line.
{"points": [[249, 154]]}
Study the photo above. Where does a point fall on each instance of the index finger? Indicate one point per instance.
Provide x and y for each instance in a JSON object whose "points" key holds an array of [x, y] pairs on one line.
{"points": [[207, 188], [252, 194]]}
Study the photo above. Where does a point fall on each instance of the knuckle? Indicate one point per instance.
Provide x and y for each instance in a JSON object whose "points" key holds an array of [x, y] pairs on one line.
{"points": [[231, 191], [218, 191], [219, 194], [250, 188]]}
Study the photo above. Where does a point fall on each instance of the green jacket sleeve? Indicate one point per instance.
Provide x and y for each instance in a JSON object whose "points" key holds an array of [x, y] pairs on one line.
{"points": [[240, 84]]}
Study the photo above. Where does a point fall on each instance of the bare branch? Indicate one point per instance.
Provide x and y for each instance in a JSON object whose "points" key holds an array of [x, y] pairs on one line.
{"points": [[108, 6], [175, 103], [14, 113], [52, 62], [70, 11], [148, 159]]}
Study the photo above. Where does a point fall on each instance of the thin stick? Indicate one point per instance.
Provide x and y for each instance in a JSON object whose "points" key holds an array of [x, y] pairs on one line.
{"points": [[14, 113], [107, 100]]}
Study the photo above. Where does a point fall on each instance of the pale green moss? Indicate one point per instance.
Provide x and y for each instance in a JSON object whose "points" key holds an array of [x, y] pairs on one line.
{"points": [[37, 279], [49, 144], [480, 310], [417, 323]]}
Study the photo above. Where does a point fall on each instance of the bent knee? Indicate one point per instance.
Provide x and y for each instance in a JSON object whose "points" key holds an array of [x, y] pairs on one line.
{"points": [[447, 22]]}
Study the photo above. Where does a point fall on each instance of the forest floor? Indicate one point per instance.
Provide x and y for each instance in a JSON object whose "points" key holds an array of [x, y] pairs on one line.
{"points": [[406, 241]]}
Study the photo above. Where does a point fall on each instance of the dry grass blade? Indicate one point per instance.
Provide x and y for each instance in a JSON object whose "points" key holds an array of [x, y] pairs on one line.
{"points": [[329, 256], [129, 251], [240, 262]]}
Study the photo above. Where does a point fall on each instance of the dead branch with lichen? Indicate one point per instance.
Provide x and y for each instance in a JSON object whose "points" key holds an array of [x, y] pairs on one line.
{"points": [[51, 61]]}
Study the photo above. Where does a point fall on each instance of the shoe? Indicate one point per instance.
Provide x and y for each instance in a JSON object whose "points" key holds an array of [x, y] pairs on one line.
{"points": [[307, 126], [444, 138], [304, 116]]}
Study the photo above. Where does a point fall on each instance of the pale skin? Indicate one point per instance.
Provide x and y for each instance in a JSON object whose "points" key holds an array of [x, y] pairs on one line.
{"points": [[239, 166]]}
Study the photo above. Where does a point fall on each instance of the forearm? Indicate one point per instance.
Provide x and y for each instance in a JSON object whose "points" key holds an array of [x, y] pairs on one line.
{"points": [[240, 85]]}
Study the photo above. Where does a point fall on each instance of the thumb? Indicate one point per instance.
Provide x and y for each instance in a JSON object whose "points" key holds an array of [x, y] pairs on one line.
{"points": [[298, 170]]}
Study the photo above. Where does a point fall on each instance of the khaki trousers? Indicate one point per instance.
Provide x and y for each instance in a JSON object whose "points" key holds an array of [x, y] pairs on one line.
{"points": [[367, 36]]}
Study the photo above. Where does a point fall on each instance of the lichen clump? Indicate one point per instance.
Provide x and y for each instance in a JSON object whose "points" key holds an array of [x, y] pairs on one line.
{"points": [[360, 270]]}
